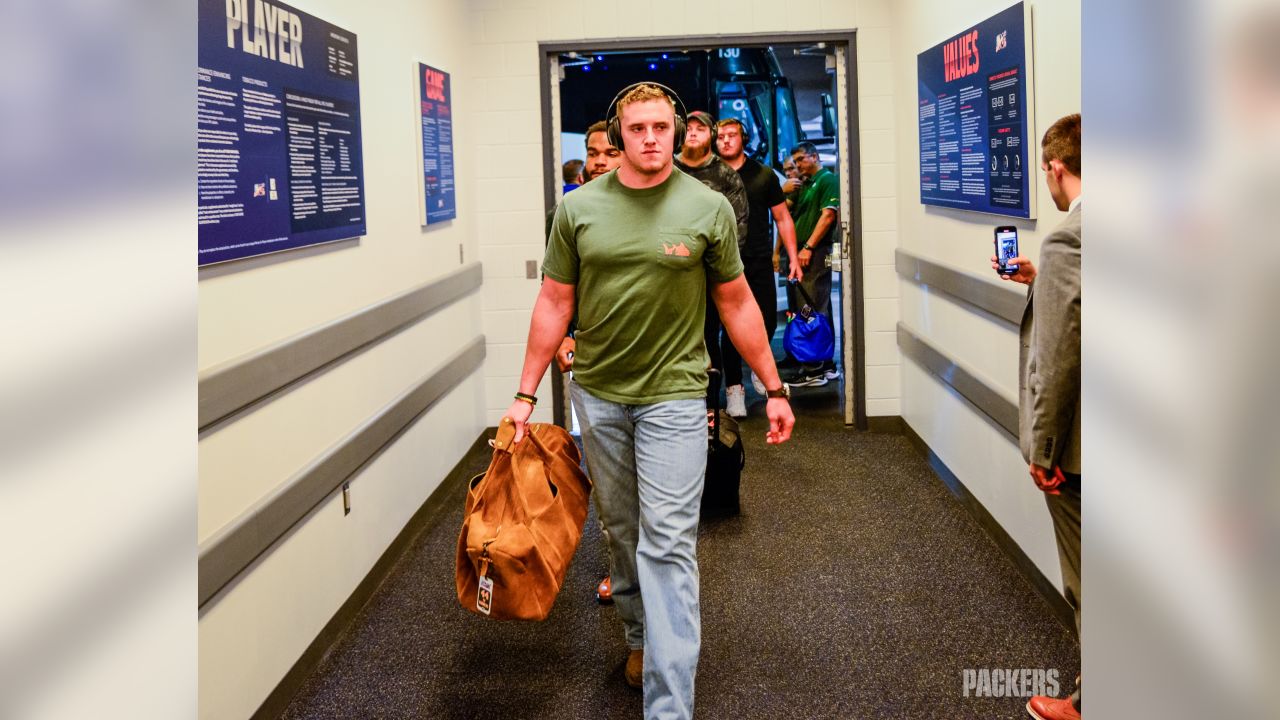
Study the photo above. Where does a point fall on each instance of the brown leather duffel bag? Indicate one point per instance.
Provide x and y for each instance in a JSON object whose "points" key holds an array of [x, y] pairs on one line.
{"points": [[521, 524]]}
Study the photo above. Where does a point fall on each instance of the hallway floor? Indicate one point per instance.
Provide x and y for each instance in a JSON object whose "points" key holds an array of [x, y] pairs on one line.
{"points": [[852, 586]]}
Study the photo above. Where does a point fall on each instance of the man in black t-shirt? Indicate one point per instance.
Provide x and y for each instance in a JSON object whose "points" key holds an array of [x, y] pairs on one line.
{"points": [[765, 199], [697, 158]]}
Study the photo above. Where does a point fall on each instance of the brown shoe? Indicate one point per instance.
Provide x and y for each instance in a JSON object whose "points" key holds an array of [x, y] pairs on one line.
{"points": [[634, 672], [1047, 708]]}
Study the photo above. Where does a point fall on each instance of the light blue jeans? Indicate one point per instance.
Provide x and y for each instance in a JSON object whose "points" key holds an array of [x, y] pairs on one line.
{"points": [[648, 463]]}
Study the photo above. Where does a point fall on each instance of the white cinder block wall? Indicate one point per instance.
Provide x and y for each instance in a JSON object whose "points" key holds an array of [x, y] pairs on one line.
{"points": [[252, 633], [980, 453], [507, 117]]}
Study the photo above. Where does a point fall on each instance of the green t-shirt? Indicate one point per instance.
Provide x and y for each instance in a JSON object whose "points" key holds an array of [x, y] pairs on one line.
{"points": [[820, 193], [641, 260]]}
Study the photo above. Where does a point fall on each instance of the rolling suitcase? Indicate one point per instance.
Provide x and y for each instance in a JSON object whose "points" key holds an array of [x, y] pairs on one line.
{"points": [[725, 460]]}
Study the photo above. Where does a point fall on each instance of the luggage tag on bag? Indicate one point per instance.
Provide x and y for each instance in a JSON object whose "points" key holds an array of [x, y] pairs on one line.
{"points": [[484, 595], [484, 588]]}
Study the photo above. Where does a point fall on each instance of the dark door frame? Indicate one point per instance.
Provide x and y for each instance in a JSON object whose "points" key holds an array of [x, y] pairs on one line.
{"points": [[851, 145]]}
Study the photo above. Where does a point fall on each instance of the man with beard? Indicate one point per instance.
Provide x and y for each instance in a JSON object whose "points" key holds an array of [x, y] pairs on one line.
{"points": [[697, 159], [764, 198]]}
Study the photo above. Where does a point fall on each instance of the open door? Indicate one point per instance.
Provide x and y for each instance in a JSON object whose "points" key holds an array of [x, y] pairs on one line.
{"points": [[735, 76]]}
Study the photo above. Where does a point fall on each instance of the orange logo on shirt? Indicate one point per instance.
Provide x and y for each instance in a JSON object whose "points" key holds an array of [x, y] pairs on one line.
{"points": [[677, 250]]}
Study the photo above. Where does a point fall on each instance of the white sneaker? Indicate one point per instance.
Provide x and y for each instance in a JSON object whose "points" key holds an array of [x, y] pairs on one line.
{"points": [[759, 386], [737, 397]]}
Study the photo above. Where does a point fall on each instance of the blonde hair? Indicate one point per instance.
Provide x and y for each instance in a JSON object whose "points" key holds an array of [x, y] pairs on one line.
{"points": [[742, 129], [644, 93]]}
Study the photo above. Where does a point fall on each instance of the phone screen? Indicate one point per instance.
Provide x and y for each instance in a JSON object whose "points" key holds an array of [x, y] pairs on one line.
{"points": [[1007, 249]]}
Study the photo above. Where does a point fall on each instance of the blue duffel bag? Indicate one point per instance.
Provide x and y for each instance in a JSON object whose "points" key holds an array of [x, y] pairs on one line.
{"points": [[809, 337]]}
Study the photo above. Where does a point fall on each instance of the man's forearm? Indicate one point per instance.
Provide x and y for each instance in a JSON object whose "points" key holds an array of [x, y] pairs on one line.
{"points": [[546, 330], [820, 229], [786, 230]]}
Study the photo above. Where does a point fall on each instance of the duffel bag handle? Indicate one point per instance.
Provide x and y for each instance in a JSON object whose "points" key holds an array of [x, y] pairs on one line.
{"points": [[541, 455], [807, 300], [506, 433]]}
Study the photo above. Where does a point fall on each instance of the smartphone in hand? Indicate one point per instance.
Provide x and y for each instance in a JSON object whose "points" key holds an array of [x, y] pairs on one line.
{"points": [[1006, 249]]}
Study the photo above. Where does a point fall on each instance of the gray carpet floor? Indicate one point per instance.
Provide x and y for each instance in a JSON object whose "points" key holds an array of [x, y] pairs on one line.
{"points": [[853, 585]]}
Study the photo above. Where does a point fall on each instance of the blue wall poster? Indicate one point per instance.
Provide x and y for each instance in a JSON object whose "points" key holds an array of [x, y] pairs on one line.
{"points": [[976, 118], [435, 106], [277, 131]]}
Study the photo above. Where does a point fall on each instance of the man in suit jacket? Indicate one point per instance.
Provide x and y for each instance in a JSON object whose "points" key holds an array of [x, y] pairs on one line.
{"points": [[1049, 373]]}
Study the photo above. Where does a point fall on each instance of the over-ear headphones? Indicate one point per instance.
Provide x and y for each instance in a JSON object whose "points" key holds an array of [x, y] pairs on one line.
{"points": [[614, 128]]}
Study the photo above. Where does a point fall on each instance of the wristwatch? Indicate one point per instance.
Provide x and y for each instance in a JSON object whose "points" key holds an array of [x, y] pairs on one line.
{"points": [[783, 392]]}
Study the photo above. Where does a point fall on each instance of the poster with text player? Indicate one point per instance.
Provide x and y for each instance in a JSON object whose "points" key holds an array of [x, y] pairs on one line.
{"points": [[975, 118], [278, 142]]}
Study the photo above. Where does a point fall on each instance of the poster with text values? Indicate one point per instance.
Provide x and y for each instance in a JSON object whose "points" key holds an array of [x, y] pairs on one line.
{"points": [[975, 115], [279, 164], [435, 106]]}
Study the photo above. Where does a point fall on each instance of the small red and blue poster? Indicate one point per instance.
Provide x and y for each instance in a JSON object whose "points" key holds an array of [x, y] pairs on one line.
{"points": [[435, 103]]}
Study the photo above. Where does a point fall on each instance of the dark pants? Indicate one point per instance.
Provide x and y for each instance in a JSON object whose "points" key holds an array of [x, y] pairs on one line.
{"points": [[717, 344], [817, 282], [1065, 511], [764, 288], [760, 278]]}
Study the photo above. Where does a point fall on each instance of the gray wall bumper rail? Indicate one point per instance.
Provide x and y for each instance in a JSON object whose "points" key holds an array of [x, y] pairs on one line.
{"points": [[1005, 301], [238, 383], [992, 401], [233, 548]]}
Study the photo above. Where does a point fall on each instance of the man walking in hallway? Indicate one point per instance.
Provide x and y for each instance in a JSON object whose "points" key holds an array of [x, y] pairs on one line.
{"points": [[1049, 377], [764, 198], [817, 210], [697, 159], [635, 253]]}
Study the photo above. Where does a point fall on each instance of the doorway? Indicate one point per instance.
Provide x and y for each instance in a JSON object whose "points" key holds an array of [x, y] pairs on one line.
{"points": [[785, 89]]}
